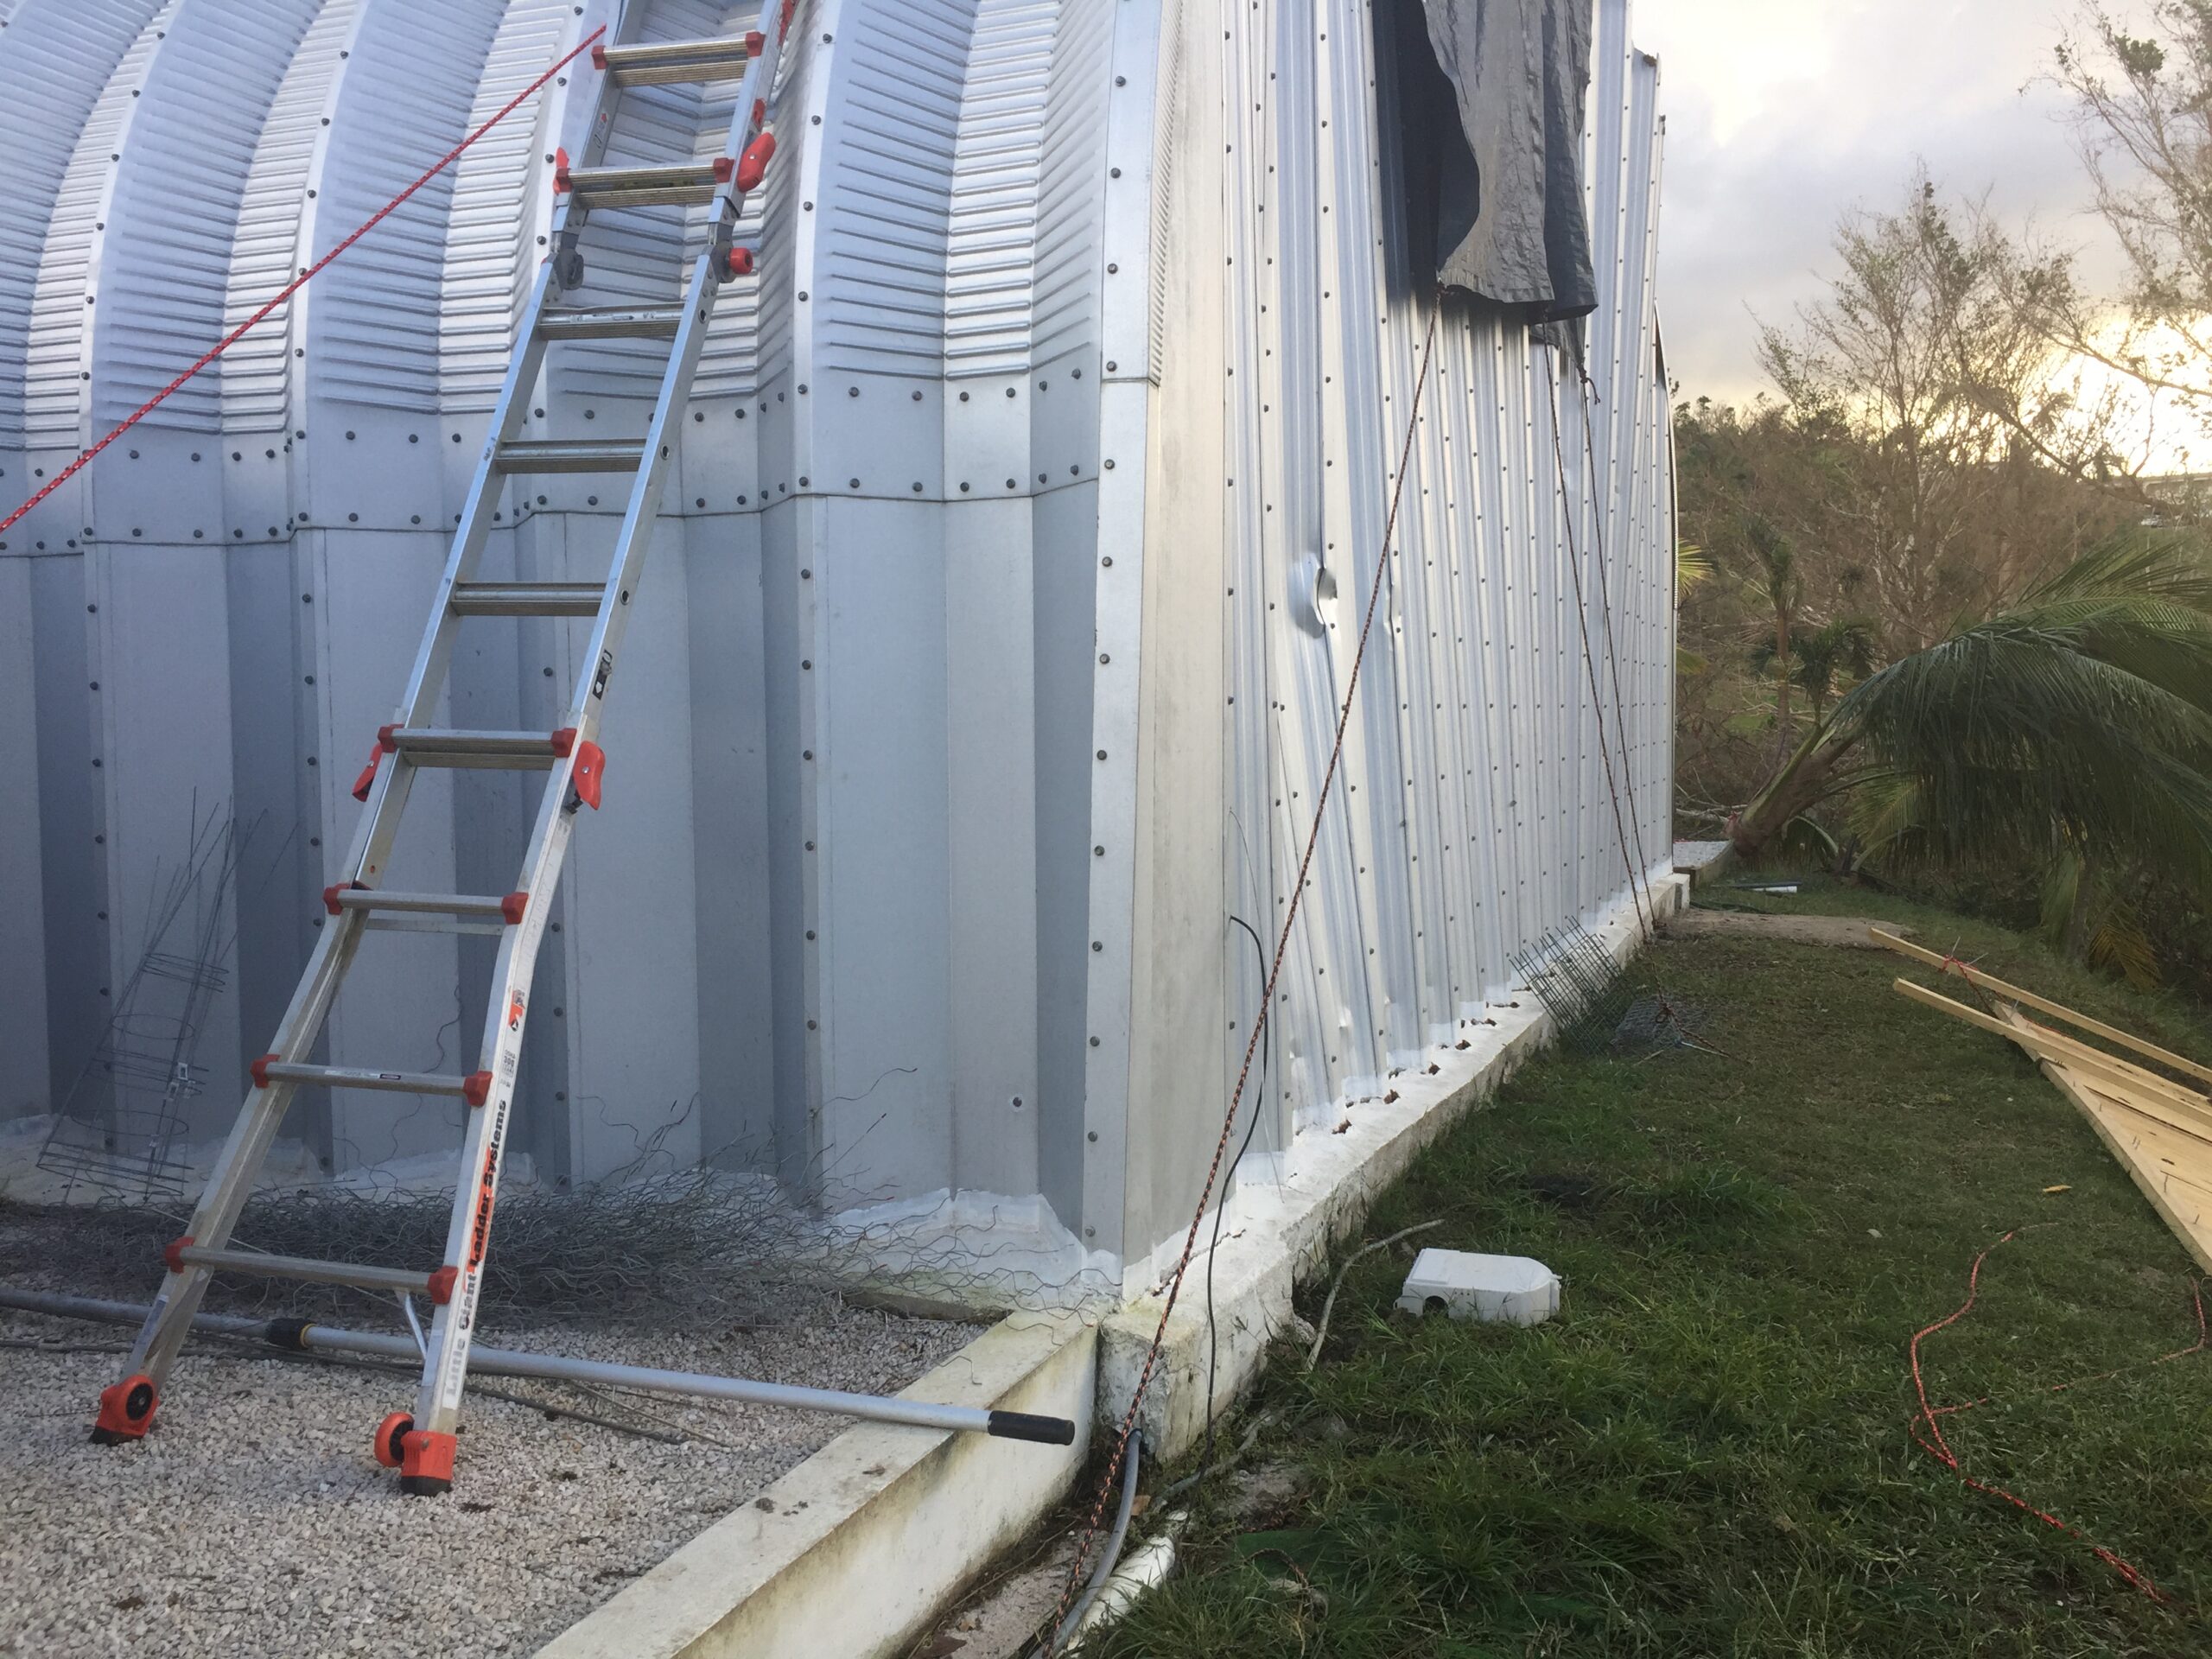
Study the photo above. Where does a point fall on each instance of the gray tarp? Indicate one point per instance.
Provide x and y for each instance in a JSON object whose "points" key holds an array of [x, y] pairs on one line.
{"points": [[1509, 209]]}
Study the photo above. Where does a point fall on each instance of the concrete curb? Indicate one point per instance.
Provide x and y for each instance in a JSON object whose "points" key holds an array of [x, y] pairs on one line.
{"points": [[855, 1551], [1273, 1236], [852, 1551]]}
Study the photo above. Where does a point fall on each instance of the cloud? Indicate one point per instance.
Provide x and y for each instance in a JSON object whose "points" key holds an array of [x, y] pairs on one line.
{"points": [[1784, 115]]}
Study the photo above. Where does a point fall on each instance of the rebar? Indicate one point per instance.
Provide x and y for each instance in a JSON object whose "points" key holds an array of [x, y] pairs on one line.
{"points": [[1582, 985]]}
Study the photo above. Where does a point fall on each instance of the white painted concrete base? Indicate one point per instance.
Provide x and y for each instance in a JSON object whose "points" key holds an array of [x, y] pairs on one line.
{"points": [[1275, 1236], [851, 1553]]}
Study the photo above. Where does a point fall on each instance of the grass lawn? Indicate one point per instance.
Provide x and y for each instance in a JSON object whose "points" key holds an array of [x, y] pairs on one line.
{"points": [[1709, 1451]]}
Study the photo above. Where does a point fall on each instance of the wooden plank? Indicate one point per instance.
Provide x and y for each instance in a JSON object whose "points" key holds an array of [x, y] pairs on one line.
{"points": [[2153, 1095], [2186, 1218], [1997, 986]]}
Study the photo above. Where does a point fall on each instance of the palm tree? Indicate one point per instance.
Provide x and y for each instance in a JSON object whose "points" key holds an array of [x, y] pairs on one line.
{"points": [[2076, 722], [1817, 660], [1781, 590]]}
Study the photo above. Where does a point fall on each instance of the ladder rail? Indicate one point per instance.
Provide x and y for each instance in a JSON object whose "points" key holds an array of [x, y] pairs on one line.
{"points": [[412, 742], [254, 1130], [445, 1365]]}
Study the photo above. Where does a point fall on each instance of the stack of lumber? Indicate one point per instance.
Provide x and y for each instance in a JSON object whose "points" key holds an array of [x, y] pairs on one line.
{"points": [[2160, 1129]]}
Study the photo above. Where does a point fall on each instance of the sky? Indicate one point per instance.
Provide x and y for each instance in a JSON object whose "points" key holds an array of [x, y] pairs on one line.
{"points": [[1781, 115]]}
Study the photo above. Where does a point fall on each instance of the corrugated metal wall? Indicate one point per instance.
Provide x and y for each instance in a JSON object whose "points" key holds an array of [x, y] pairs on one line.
{"points": [[1474, 808], [987, 659]]}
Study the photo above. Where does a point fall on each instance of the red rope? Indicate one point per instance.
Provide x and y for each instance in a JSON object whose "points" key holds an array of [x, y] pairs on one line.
{"points": [[1107, 1480], [295, 285], [1928, 1434]]}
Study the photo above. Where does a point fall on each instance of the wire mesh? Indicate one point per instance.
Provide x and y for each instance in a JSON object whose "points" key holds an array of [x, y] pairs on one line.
{"points": [[1582, 985], [118, 1128]]}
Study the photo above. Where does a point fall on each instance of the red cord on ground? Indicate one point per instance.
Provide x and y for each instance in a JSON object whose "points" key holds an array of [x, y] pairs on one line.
{"points": [[296, 284], [1928, 1434]]}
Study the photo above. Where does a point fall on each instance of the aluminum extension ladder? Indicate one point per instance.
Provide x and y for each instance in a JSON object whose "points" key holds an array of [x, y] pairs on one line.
{"points": [[422, 1445]]}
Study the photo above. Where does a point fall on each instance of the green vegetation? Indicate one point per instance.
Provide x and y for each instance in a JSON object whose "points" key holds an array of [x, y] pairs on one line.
{"points": [[1959, 428], [1709, 1451]]}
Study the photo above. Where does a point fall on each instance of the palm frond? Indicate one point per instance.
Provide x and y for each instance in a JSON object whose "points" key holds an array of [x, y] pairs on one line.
{"points": [[2082, 715]]}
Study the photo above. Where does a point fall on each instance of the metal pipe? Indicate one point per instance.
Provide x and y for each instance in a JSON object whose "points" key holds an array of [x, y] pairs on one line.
{"points": [[504, 1362]]}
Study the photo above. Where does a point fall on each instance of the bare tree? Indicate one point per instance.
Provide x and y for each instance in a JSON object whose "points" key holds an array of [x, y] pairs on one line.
{"points": [[1958, 414], [2142, 110]]}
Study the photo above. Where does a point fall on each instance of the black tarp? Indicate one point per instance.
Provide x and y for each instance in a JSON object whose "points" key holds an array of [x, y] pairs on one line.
{"points": [[1492, 99]]}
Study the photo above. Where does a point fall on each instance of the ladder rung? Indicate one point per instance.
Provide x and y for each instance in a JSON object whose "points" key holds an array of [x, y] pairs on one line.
{"points": [[436, 1286], [568, 455], [646, 187], [527, 597], [509, 908], [676, 61], [424, 745], [432, 924], [610, 322], [475, 1089]]}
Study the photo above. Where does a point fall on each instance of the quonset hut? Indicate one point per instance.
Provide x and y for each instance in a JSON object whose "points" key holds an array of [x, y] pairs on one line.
{"points": [[988, 657]]}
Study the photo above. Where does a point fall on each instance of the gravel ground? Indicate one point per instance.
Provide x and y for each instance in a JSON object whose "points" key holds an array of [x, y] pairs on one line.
{"points": [[253, 1521]]}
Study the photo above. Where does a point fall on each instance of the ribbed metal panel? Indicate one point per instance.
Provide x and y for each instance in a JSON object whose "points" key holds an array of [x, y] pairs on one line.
{"points": [[989, 274], [58, 365], [500, 206], [173, 210], [56, 59], [888, 149], [265, 252], [398, 103], [752, 323], [1071, 177], [635, 254], [1167, 145]]}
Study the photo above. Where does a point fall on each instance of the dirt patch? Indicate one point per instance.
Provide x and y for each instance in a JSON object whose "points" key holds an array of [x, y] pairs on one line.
{"points": [[1850, 931]]}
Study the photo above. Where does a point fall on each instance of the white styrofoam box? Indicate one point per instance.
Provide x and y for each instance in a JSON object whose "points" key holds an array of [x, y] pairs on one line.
{"points": [[1516, 1288]]}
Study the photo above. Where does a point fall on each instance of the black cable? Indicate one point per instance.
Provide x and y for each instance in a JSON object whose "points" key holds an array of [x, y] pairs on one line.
{"points": [[1259, 1101]]}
